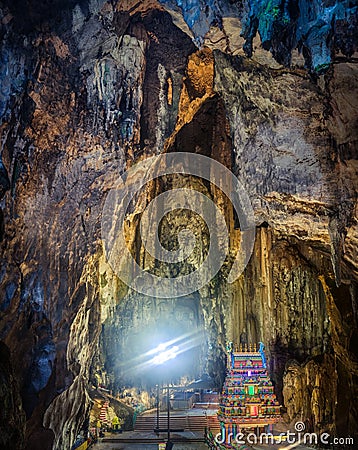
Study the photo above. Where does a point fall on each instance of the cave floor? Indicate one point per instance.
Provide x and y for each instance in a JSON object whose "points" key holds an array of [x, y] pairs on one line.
{"points": [[121, 443], [177, 446], [143, 446]]}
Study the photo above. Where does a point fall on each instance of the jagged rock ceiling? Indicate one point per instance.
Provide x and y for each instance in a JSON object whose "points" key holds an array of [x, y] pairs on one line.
{"points": [[88, 89]]}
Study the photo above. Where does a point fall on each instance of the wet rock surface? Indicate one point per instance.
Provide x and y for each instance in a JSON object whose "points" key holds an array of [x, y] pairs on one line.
{"points": [[90, 88]]}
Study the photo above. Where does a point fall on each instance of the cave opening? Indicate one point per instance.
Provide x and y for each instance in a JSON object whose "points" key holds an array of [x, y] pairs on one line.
{"points": [[138, 324], [130, 342]]}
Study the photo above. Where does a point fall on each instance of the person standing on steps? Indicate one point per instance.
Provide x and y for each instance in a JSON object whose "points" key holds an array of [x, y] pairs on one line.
{"points": [[115, 423]]}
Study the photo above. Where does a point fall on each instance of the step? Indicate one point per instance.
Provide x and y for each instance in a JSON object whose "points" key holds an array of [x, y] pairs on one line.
{"points": [[188, 422]]}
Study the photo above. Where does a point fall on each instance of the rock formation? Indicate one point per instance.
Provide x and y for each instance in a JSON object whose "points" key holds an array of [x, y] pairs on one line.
{"points": [[90, 88]]}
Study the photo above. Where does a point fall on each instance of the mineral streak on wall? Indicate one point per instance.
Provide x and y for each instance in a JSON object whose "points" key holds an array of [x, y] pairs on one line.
{"points": [[89, 88]]}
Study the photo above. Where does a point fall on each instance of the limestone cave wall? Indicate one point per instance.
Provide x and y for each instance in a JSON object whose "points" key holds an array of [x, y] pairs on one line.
{"points": [[90, 88]]}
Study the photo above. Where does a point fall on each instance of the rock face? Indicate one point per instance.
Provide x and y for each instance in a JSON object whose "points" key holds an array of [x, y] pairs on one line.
{"points": [[12, 415], [89, 89]]}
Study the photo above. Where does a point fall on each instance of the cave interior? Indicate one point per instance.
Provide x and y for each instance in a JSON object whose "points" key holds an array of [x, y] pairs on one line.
{"points": [[90, 91]]}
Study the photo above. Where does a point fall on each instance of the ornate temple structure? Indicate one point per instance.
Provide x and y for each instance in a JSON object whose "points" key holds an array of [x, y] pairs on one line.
{"points": [[248, 402]]}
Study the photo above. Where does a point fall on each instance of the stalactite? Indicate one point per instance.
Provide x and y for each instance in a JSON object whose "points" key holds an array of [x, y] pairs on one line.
{"points": [[340, 338]]}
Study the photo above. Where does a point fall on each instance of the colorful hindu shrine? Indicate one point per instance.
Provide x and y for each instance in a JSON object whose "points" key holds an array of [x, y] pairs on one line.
{"points": [[248, 402]]}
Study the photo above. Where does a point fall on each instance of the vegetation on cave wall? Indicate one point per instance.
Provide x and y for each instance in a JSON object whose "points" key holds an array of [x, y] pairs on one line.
{"points": [[316, 28]]}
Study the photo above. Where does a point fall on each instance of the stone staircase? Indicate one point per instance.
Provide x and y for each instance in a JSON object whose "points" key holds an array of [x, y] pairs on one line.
{"points": [[199, 423], [194, 423]]}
